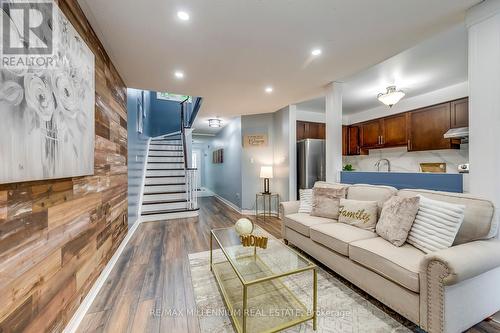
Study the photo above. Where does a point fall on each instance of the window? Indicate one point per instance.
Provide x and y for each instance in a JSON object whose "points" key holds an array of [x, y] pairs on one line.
{"points": [[173, 97]]}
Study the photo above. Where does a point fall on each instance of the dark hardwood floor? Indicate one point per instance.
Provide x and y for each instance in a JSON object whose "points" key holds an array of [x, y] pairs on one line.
{"points": [[152, 275]]}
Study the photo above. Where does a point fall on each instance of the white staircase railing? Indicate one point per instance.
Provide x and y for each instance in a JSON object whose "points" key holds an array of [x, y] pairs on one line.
{"points": [[192, 188], [191, 173]]}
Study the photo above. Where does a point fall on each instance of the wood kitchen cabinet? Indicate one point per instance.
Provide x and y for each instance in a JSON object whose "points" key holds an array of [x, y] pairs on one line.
{"points": [[384, 132], [421, 129], [354, 147], [301, 130], [350, 140], [310, 130], [371, 133], [394, 130], [427, 127], [460, 113], [345, 140]]}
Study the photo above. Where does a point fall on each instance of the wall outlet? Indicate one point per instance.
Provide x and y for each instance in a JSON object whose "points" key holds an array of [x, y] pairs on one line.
{"points": [[237, 195]]}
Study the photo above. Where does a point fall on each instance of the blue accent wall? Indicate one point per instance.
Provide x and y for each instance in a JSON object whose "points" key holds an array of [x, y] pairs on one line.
{"points": [[428, 181], [254, 158], [165, 116], [225, 179]]}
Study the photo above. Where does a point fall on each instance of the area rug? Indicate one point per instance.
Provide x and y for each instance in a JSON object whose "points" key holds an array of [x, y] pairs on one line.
{"points": [[340, 308]]}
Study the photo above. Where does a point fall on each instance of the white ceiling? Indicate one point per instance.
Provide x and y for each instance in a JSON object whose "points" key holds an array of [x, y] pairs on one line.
{"points": [[231, 49], [435, 63]]}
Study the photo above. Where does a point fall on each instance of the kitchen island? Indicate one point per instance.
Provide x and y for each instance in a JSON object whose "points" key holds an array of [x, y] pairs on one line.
{"points": [[448, 182]]}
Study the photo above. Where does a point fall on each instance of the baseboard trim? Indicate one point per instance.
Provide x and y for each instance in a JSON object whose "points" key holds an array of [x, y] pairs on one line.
{"points": [[169, 216], [251, 212], [228, 203], [80, 313]]}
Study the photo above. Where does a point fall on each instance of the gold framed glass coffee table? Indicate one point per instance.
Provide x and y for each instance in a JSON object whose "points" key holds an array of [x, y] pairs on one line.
{"points": [[257, 284]]}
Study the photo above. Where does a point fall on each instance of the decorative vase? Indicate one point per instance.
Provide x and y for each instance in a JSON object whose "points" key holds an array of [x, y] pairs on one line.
{"points": [[243, 226]]}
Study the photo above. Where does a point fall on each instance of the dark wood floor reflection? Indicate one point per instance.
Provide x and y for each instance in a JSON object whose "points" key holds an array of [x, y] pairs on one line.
{"points": [[152, 275]]}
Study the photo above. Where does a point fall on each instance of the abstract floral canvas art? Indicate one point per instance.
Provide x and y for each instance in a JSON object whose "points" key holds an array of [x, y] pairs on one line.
{"points": [[47, 114]]}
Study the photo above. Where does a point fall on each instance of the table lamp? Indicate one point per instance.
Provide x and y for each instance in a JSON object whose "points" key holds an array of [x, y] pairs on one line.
{"points": [[266, 172]]}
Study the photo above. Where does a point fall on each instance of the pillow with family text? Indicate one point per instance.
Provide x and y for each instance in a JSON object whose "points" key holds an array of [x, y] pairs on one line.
{"points": [[361, 214]]}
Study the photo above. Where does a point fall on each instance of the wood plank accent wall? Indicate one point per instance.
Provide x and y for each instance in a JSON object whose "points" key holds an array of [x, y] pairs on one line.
{"points": [[56, 236]]}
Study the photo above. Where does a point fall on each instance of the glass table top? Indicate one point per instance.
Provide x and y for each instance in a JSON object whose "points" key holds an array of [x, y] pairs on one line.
{"points": [[276, 260]]}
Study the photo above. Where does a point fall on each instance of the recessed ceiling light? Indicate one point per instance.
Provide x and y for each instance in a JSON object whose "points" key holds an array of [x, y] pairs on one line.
{"points": [[179, 74], [316, 52], [182, 15], [269, 89]]}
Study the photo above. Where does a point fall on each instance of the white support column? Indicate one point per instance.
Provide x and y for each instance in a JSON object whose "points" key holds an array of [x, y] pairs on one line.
{"points": [[483, 24], [333, 131], [292, 152]]}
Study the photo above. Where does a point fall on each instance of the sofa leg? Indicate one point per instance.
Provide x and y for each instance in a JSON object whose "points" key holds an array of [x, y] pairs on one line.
{"points": [[286, 241]]}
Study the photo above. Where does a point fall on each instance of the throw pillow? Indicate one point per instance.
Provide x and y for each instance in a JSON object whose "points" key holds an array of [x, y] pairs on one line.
{"points": [[326, 201], [361, 214], [436, 225], [305, 201], [396, 219], [329, 185]]}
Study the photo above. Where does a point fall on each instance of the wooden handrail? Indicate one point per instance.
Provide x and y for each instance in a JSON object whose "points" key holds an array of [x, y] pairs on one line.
{"points": [[196, 108]]}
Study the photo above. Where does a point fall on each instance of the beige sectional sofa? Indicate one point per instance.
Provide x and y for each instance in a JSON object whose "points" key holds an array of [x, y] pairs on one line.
{"points": [[445, 291]]}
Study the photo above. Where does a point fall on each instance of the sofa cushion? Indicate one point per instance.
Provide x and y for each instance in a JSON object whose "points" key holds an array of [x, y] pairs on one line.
{"points": [[436, 225], [301, 222], [399, 264], [322, 184], [326, 201], [478, 214], [377, 193], [337, 236], [396, 219], [361, 214], [306, 197]]}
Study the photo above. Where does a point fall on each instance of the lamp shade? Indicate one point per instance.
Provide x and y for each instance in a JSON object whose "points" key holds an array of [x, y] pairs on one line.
{"points": [[266, 172]]}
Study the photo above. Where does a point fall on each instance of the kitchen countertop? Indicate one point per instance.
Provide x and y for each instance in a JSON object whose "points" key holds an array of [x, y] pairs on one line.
{"points": [[449, 182]]}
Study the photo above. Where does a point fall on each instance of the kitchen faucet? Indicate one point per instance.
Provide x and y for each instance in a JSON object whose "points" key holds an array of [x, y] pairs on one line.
{"points": [[388, 164]]}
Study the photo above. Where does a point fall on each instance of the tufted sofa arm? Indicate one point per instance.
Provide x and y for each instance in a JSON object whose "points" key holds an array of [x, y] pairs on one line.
{"points": [[466, 260], [287, 208], [447, 268]]}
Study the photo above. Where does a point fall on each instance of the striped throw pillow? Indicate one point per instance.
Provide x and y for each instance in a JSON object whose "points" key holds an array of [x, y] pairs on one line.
{"points": [[436, 225], [306, 198]]}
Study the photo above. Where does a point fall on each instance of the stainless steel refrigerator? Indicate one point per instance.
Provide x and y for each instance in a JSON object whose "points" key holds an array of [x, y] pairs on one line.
{"points": [[310, 162]]}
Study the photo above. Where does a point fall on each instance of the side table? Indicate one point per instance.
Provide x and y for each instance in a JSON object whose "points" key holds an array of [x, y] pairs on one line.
{"points": [[267, 200]]}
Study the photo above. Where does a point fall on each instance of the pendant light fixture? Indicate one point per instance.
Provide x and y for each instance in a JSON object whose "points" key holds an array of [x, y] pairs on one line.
{"points": [[391, 97], [214, 122]]}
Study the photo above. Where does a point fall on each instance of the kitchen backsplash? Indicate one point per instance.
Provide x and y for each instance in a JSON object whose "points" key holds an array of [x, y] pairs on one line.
{"points": [[404, 161]]}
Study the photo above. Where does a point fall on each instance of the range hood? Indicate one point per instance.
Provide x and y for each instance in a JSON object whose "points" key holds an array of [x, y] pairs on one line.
{"points": [[457, 133]]}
